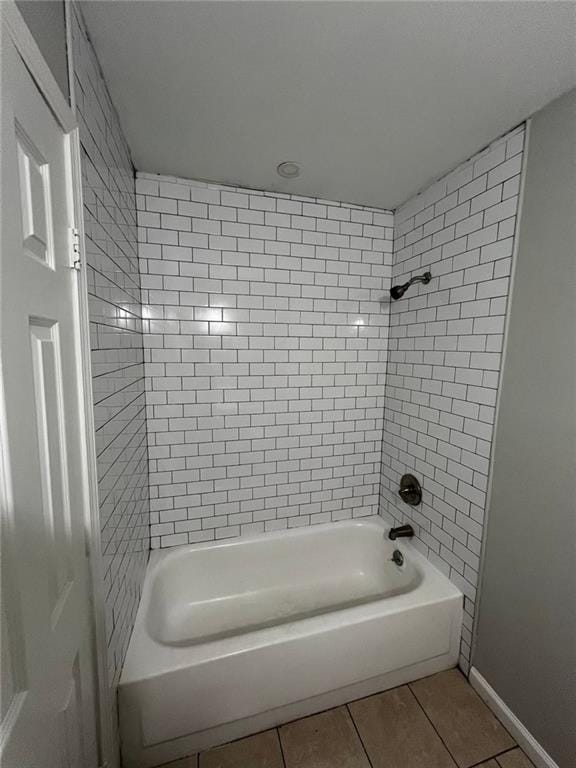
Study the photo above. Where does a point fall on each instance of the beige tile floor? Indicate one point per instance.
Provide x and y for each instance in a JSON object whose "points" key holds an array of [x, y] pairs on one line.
{"points": [[436, 722]]}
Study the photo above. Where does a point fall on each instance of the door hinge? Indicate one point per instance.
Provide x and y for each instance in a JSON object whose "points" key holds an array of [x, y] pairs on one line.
{"points": [[75, 249]]}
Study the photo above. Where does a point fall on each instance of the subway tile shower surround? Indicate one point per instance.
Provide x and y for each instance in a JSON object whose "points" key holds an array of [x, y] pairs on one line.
{"points": [[116, 345], [445, 356], [268, 351], [265, 357]]}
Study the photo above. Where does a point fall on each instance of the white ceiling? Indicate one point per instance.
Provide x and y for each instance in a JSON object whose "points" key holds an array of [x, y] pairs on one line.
{"points": [[374, 99]]}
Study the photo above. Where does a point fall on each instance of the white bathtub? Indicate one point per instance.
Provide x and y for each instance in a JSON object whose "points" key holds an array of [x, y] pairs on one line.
{"points": [[236, 636]]}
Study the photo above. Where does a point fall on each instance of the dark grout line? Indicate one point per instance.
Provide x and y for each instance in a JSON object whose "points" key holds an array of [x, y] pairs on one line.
{"points": [[495, 757], [486, 760], [281, 747], [409, 686], [359, 736], [312, 714]]}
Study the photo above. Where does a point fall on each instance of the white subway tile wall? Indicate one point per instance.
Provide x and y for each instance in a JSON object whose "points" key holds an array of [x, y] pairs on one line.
{"points": [[445, 354], [115, 312], [265, 357]]}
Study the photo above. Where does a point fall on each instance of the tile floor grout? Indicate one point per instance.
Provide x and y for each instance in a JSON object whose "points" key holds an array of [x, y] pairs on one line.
{"points": [[496, 756], [277, 729], [358, 734], [409, 686]]}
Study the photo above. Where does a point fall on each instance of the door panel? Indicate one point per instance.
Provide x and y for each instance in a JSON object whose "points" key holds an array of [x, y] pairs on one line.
{"points": [[48, 669], [34, 178], [44, 338]]}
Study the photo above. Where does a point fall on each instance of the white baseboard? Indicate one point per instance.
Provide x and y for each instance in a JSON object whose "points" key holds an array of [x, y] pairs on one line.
{"points": [[518, 730]]}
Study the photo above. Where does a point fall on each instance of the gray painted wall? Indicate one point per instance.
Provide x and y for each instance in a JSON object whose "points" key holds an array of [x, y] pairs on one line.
{"points": [[526, 641], [46, 20]]}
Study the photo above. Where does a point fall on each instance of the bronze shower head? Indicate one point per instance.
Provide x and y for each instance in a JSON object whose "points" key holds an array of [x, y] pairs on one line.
{"points": [[397, 291]]}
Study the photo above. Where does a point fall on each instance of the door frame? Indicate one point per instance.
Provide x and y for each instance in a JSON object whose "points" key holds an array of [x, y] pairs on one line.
{"points": [[30, 53]]}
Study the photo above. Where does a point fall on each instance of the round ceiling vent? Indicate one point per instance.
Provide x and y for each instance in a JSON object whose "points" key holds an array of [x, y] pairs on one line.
{"points": [[288, 170]]}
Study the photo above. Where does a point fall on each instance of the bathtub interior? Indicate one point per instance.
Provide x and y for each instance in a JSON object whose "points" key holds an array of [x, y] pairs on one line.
{"points": [[212, 591]]}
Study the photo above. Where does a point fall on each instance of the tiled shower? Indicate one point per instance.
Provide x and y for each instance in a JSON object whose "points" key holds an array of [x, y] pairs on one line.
{"points": [[282, 387], [270, 341]]}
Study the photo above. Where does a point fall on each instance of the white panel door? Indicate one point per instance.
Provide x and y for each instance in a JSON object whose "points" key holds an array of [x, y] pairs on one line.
{"points": [[48, 680]]}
